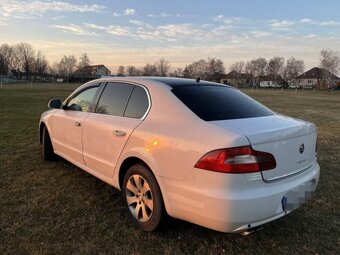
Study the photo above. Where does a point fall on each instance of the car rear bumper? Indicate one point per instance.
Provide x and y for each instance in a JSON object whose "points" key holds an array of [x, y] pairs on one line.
{"points": [[236, 202]]}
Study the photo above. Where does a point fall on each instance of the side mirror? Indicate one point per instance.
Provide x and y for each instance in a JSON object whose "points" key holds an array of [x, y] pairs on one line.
{"points": [[55, 104]]}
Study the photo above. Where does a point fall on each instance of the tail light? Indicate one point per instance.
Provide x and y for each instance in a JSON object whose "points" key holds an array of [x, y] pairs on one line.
{"points": [[237, 160]]}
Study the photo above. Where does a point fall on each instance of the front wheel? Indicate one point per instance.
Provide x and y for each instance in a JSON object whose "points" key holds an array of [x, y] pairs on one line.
{"points": [[143, 197]]}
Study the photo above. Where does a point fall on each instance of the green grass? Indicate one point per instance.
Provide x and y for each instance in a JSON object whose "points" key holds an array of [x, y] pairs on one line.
{"points": [[56, 208]]}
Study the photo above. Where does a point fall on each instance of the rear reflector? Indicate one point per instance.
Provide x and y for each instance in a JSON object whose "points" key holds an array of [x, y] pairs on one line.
{"points": [[237, 160]]}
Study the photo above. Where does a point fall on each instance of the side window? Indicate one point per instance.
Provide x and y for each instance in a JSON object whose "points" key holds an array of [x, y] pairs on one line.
{"points": [[114, 98], [82, 101], [138, 103]]}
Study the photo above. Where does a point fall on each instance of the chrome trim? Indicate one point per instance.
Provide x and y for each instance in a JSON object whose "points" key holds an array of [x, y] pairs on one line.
{"points": [[135, 84], [290, 174]]}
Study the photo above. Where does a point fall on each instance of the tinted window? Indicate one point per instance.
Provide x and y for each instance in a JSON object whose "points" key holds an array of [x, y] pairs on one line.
{"points": [[82, 101], [114, 98], [219, 103], [138, 103]]}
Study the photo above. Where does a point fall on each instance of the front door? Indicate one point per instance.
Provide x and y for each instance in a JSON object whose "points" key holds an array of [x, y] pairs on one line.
{"points": [[67, 125]]}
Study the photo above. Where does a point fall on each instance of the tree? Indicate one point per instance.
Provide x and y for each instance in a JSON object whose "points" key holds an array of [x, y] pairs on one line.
{"points": [[24, 54], [121, 71], [330, 61], [162, 67], [133, 71], [215, 69], [237, 66], [67, 66], [275, 67], [150, 70], [294, 67], [6, 59], [177, 73], [256, 67], [198, 69], [40, 65], [84, 61]]}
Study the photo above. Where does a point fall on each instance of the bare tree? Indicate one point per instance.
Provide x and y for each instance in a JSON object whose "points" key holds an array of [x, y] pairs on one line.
{"points": [[84, 61], [6, 59], [177, 73], [293, 68], [24, 54], [150, 70], [67, 66], [121, 71], [198, 69], [215, 69], [133, 71], [256, 67], [275, 66], [162, 67], [329, 61], [237, 66], [40, 65]]}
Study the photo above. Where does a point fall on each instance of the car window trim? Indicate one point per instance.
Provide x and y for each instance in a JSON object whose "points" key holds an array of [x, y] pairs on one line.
{"points": [[94, 85], [130, 83]]}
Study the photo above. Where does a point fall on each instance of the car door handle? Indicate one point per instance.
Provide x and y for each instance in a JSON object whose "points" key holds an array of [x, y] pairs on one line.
{"points": [[77, 124], [119, 133]]}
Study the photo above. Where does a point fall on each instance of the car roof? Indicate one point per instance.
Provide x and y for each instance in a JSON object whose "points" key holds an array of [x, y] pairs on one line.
{"points": [[169, 81]]}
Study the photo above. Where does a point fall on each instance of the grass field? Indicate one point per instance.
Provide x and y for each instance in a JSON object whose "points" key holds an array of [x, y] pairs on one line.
{"points": [[56, 208]]}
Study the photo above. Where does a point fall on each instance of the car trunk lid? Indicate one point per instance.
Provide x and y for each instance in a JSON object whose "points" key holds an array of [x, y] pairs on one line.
{"points": [[291, 141]]}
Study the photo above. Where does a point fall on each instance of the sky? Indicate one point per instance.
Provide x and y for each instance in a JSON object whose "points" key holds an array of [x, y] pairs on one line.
{"points": [[135, 32]]}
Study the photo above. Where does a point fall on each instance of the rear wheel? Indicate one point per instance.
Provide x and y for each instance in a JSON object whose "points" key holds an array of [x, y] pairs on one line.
{"points": [[143, 197], [47, 148]]}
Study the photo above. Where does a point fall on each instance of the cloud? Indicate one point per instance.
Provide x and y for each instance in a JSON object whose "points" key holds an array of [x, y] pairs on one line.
{"points": [[129, 12], [320, 23], [30, 9], [73, 29], [137, 22], [284, 25], [115, 14], [164, 15]]}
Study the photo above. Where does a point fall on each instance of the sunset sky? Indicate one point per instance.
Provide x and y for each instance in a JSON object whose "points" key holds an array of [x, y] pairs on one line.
{"points": [[123, 32]]}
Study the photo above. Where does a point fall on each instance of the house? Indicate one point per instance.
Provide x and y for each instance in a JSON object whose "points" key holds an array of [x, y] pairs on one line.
{"points": [[237, 79], [88, 73], [273, 81], [100, 70], [317, 78]]}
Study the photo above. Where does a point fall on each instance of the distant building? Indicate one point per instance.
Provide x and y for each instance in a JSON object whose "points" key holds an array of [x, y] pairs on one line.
{"points": [[237, 79], [88, 73], [273, 81], [317, 78]]}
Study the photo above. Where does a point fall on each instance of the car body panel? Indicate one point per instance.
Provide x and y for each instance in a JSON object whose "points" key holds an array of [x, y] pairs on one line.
{"points": [[102, 146]]}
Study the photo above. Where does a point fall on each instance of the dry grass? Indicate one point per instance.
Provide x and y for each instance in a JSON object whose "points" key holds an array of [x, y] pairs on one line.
{"points": [[56, 208]]}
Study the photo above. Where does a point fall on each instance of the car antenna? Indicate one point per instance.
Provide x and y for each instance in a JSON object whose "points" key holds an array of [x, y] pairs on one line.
{"points": [[198, 79]]}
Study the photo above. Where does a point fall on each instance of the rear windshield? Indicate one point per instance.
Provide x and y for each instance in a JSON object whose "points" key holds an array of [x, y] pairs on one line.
{"points": [[219, 103]]}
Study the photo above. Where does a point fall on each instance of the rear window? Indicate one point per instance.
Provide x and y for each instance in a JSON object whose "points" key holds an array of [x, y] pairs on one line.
{"points": [[220, 103]]}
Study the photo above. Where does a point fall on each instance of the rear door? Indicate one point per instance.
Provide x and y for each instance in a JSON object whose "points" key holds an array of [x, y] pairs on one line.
{"points": [[121, 107]]}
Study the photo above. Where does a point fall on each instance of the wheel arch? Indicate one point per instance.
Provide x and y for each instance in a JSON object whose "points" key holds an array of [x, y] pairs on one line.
{"points": [[42, 125], [132, 160]]}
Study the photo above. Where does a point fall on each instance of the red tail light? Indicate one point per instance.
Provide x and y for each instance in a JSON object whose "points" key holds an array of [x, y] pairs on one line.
{"points": [[237, 160]]}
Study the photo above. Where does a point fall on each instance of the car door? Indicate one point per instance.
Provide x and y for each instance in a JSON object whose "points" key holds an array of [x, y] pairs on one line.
{"points": [[121, 107], [67, 123]]}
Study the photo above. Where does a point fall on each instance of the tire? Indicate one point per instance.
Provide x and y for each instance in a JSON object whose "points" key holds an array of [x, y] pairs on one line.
{"points": [[47, 148], [142, 197]]}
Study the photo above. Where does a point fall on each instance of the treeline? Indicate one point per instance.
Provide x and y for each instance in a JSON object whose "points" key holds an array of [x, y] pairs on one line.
{"points": [[22, 61]]}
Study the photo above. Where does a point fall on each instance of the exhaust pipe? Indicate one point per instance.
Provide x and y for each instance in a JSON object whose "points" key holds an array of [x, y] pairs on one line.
{"points": [[251, 230]]}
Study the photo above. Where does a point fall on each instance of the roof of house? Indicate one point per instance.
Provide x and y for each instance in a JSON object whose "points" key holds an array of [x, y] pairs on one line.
{"points": [[317, 73], [236, 75]]}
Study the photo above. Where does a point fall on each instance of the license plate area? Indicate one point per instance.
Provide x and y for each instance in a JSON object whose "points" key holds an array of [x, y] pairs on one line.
{"points": [[294, 198]]}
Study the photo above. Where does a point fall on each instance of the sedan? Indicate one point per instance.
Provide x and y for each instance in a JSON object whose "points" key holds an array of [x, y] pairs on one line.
{"points": [[198, 151]]}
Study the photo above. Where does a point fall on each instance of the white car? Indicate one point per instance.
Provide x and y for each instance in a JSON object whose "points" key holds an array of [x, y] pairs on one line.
{"points": [[199, 151]]}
